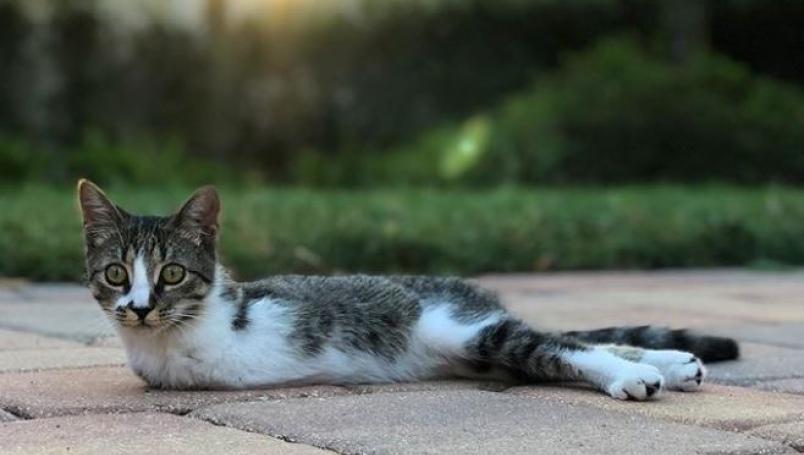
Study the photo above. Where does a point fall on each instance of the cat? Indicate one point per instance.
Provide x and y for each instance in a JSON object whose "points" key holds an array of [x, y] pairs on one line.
{"points": [[186, 325]]}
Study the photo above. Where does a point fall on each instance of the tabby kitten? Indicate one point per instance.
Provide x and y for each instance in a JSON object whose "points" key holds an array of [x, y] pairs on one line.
{"points": [[186, 324]]}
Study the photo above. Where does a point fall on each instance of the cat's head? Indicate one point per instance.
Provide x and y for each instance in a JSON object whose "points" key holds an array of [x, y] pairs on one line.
{"points": [[150, 272]]}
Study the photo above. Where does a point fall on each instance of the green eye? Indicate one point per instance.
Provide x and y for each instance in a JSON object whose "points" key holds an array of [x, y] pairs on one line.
{"points": [[116, 274], [172, 273]]}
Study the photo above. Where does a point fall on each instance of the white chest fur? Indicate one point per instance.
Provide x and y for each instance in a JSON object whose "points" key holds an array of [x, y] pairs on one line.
{"points": [[208, 353]]}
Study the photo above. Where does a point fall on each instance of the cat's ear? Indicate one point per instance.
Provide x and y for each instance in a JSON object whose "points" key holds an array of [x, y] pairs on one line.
{"points": [[200, 213], [101, 216]]}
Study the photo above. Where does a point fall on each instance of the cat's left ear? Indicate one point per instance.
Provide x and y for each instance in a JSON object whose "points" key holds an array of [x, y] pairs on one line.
{"points": [[199, 215], [102, 218]]}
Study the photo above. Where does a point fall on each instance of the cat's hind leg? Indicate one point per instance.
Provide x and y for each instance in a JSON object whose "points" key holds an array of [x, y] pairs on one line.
{"points": [[534, 356]]}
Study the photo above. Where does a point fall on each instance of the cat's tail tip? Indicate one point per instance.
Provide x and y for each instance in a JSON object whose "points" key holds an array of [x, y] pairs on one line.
{"points": [[714, 349]]}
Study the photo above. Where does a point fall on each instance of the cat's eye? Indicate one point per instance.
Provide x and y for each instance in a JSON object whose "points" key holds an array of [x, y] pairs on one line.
{"points": [[172, 274], [116, 275]]}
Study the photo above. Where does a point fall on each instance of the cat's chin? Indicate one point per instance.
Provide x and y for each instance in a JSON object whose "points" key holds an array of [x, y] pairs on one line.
{"points": [[146, 329]]}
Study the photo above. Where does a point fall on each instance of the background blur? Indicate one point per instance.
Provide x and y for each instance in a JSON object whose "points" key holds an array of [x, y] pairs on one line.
{"points": [[429, 136]]}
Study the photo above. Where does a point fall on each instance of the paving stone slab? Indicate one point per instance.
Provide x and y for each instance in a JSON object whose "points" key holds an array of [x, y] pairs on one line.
{"points": [[590, 310], [6, 417], [107, 342], [678, 308], [795, 385], [49, 359], [467, 421], [114, 389], [791, 434], [55, 293], [136, 433], [80, 321], [759, 362], [456, 384], [646, 280], [591, 316], [9, 289], [783, 334], [689, 298], [723, 407], [12, 340], [9, 296]]}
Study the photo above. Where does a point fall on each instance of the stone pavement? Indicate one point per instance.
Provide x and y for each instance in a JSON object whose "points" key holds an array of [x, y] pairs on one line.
{"points": [[64, 388]]}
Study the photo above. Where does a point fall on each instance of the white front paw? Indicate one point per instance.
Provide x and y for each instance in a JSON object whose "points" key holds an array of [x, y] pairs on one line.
{"points": [[636, 382], [682, 370]]}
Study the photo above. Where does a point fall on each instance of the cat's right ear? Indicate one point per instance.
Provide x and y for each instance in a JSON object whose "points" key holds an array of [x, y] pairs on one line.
{"points": [[198, 217], [101, 216]]}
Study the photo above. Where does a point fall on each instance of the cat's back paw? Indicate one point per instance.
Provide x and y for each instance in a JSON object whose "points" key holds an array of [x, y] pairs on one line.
{"points": [[637, 382], [682, 370]]}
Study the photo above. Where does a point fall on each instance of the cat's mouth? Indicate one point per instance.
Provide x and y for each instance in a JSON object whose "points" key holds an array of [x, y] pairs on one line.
{"points": [[141, 325], [150, 329], [148, 319], [160, 318]]}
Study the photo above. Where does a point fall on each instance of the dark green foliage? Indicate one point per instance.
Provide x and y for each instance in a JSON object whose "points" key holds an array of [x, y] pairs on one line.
{"points": [[14, 29], [18, 162], [340, 99], [616, 114], [142, 162], [255, 93], [767, 35], [426, 231], [406, 67], [355, 86]]}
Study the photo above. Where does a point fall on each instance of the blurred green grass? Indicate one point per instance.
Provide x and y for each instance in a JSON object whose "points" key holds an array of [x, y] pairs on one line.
{"points": [[272, 230]]}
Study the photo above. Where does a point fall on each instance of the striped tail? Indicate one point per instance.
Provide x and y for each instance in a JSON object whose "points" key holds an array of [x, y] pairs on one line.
{"points": [[707, 348]]}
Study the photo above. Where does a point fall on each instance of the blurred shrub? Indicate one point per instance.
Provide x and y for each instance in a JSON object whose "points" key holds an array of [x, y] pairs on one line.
{"points": [[18, 162], [765, 35], [615, 113], [354, 83], [144, 161], [443, 155], [255, 93]]}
